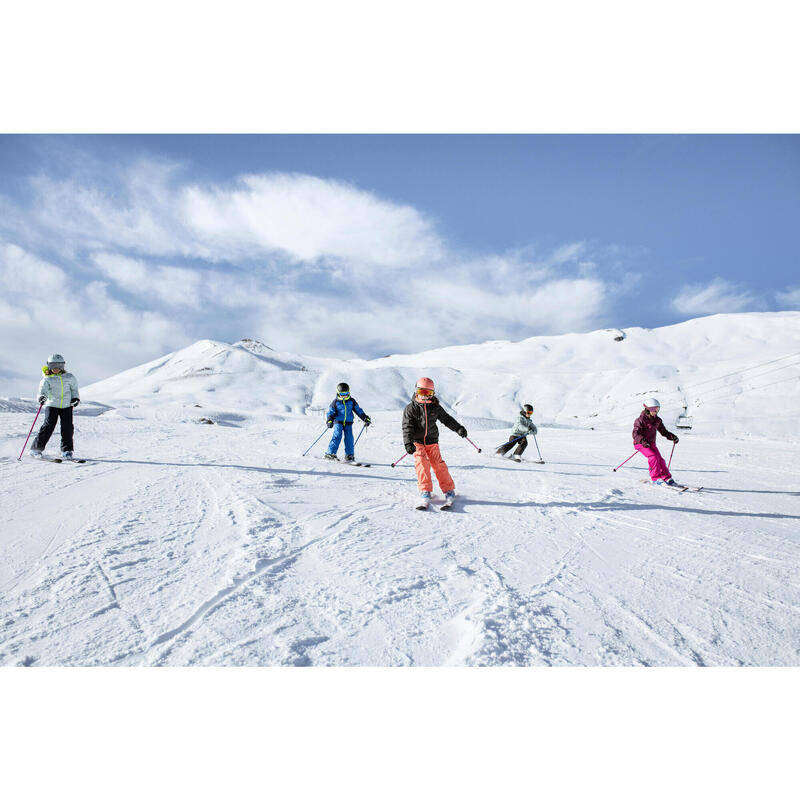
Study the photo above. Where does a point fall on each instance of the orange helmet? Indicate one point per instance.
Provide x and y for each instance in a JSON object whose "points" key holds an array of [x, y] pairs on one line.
{"points": [[424, 390]]}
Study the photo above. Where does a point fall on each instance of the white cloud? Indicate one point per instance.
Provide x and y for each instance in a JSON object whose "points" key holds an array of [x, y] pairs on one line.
{"points": [[309, 218], [717, 297], [789, 298], [23, 274], [145, 209], [44, 310], [174, 286]]}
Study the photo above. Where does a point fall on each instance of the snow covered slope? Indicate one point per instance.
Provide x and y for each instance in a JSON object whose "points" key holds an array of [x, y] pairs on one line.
{"points": [[199, 544], [730, 371], [220, 545]]}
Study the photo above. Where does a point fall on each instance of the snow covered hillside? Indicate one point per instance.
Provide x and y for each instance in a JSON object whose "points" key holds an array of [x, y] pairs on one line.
{"points": [[182, 543], [734, 373]]}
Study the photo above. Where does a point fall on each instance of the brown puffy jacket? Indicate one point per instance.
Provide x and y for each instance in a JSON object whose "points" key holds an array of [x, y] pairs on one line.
{"points": [[645, 427], [419, 422]]}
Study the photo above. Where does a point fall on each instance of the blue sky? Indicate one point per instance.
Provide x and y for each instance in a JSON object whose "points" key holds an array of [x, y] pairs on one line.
{"points": [[117, 249]]}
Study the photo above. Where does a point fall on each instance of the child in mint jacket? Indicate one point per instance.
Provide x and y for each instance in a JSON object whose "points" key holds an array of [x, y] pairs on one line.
{"points": [[58, 393], [519, 434]]}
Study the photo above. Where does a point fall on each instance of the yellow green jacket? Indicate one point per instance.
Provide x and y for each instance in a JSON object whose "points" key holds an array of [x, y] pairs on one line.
{"points": [[59, 390]]}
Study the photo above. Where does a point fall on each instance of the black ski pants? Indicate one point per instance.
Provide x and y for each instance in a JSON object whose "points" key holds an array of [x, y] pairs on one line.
{"points": [[521, 445], [51, 416]]}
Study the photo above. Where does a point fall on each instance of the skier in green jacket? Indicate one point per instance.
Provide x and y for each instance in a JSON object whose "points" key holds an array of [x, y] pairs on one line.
{"points": [[519, 434], [58, 392]]}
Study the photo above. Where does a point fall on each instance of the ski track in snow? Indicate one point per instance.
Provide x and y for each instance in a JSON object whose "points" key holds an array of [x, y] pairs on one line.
{"points": [[192, 545]]}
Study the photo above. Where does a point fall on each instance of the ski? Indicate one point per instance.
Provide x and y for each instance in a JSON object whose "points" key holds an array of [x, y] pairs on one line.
{"points": [[47, 458], [340, 461], [447, 505], [677, 487], [422, 505]]}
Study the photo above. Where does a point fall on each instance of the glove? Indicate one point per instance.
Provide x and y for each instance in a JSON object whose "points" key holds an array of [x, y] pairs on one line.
{"points": [[673, 438], [534, 430], [41, 399], [367, 421], [75, 401], [411, 448], [462, 431], [329, 423]]}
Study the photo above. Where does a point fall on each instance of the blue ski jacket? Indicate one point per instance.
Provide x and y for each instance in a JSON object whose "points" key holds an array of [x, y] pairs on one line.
{"points": [[345, 411]]}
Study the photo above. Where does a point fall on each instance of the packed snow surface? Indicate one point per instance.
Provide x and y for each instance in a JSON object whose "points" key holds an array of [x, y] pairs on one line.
{"points": [[182, 543]]}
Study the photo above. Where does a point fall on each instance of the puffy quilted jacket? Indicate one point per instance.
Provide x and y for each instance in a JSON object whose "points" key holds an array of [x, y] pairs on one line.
{"points": [[60, 390], [419, 422], [523, 426], [345, 411], [645, 427]]}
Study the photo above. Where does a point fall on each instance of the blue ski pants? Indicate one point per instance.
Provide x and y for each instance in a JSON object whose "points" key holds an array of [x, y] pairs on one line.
{"points": [[349, 447]]}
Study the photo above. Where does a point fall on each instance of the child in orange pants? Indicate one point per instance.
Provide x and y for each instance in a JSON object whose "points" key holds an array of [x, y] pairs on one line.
{"points": [[421, 438]]}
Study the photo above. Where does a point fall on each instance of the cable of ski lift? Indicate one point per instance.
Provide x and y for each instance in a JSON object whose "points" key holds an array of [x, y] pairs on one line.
{"points": [[751, 389], [683, 389]]}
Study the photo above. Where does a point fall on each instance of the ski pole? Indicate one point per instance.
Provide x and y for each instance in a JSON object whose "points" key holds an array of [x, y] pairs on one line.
{"points": [[512, 441], [670, 454], [472, 443], [537, 448], [30, 431], [399, 459], [359, 436], [317, 439], [626, 460]]}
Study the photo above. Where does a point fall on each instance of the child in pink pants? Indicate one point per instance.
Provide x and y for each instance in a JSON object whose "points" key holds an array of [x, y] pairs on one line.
{"points": [[644, 440]]}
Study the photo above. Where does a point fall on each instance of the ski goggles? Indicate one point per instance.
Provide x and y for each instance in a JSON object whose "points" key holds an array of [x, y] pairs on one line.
{"points": [[528, 413], [425, 392], [343, 395]]}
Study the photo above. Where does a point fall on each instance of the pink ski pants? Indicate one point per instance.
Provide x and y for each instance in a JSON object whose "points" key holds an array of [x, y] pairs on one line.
{"points": [[655, 462], [428, 456]]}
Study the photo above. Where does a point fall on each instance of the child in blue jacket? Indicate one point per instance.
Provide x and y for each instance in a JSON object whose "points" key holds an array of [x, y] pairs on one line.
{"points": [[340, 417]]}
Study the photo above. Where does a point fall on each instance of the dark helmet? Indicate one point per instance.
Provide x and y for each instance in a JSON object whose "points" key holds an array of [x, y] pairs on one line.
{"points": [[528, 408], [343, 388]]}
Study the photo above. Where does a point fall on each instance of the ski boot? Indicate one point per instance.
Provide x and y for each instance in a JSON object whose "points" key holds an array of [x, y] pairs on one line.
{"points": [[67, 455], [331, 457], [517, 458], [349, 457], [449, 499], [424, 501], [36, 453], [670, 482]]}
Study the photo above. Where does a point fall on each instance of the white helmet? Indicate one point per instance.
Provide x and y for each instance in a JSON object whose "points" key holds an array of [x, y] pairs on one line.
{"points": [[56, 358], [651, 402]]}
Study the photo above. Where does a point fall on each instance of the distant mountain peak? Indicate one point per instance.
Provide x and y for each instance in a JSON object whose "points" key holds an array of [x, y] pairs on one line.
{"points": [[254, 346]]}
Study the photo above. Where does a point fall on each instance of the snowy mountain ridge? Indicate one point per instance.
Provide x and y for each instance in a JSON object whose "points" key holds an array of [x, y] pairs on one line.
{"points": [[731, 373]]}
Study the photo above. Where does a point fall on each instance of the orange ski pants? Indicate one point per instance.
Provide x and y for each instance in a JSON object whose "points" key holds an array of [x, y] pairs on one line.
{"points": [[428, 456]]}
